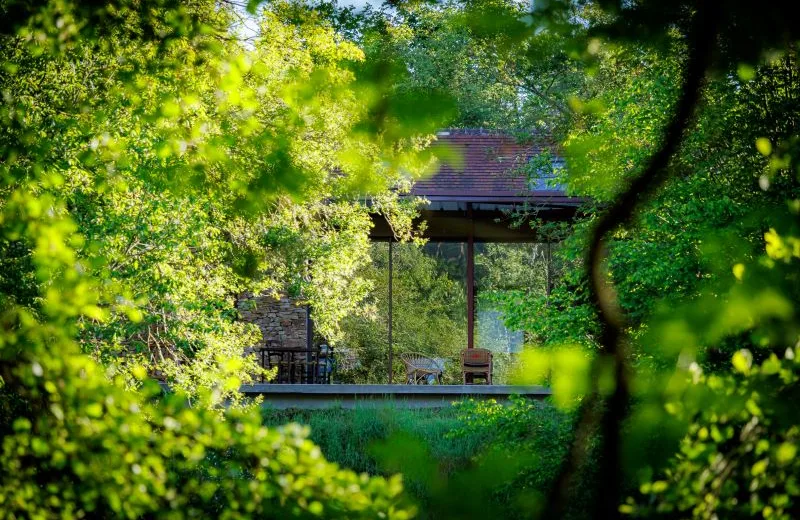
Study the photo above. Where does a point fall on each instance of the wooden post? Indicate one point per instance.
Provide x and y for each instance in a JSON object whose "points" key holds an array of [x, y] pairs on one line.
{"points": [[391, 277], [470, 280], [312, 372], [547, 267]]}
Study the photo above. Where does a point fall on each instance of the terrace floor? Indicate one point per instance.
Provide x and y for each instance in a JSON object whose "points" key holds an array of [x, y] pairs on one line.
{"points": [[409, 396]]}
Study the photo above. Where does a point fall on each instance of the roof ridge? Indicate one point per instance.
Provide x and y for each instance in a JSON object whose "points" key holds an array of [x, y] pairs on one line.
{"points": [[473, 131], [519, 135]]}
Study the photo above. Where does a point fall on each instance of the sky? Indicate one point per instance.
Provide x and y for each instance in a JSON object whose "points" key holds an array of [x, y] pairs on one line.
{"points": [[248, 25], [361, 3]]}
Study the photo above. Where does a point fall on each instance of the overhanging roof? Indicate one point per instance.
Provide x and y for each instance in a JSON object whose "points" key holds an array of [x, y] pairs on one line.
{"points": [[488, 166], [474, 196]]}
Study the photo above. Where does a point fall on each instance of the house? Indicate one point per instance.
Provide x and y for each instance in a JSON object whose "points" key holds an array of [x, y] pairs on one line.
{"points": [[488, 195]]}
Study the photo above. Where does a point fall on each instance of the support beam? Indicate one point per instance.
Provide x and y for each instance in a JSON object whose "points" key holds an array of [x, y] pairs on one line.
{"points": [[309, 345], [391, 280], [470, 280]]}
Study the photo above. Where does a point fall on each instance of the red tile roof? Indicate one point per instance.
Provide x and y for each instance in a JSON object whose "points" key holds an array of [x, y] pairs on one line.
{"points": [[490, 168]]}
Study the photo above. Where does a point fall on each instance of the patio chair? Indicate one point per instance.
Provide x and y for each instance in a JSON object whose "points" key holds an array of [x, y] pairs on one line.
{"points": [[421, 368], [476, 362]]}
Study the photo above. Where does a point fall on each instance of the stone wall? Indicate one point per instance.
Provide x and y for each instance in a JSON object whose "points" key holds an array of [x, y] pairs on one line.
{"points": [[282, 322]]}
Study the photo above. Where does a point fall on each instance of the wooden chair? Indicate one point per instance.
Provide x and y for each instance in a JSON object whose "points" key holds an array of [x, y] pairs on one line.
{"points": [[419, 367], [476, 362]]}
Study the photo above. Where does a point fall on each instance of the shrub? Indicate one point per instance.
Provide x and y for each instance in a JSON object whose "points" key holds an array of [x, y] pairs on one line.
{"points": [[477, 459], [739, 457], [76, 445]]}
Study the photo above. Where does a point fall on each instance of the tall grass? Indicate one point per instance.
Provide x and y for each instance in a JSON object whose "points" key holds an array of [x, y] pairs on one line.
{"points": [[350, 436], [472, 460]]}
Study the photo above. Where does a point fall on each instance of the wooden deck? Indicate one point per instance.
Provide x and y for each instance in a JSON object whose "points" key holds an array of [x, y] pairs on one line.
{"points": [[410, 396]]}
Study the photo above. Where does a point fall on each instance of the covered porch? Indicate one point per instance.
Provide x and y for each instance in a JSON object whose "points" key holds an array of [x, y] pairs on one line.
{"points": [[484, 241], [494, 207]]}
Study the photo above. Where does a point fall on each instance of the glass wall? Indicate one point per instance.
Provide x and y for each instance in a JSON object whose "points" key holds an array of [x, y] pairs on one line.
{"points": [[430, 304], [429, 313], [504, 274], [429, 308], [362, 353]]}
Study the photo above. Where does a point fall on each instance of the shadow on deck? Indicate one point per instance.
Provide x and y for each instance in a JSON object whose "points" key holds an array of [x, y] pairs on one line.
{"points": [[409, 396]]}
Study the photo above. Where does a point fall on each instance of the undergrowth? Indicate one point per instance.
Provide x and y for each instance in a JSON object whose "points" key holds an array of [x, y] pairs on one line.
{"points": [[475, 459]]}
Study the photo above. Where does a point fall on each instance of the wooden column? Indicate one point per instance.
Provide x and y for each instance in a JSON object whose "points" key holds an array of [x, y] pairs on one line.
{"points": [[311, 376], [470, 280], [391, 279]]}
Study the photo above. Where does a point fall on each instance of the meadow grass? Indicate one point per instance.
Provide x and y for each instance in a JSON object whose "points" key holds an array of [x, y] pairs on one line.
{"points": [[350, 436], [510, 453]]}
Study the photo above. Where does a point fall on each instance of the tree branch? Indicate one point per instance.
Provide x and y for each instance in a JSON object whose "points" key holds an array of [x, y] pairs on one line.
{"points": [[611, 352]]}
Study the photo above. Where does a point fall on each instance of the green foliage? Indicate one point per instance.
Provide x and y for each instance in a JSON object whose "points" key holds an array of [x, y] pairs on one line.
{"points": [[153, 167], [738, 459], [196, 173], [346, 436], [709, 215], [150, 172], [533, 438], [688, 271], [75, 444], [479, 54], [507, 455]]}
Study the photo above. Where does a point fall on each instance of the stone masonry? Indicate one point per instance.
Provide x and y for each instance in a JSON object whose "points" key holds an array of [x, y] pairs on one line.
{"points": [[281, 320]]}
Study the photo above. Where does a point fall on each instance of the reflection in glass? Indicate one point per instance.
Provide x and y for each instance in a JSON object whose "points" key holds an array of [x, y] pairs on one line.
{"points": [[429, 307], [428, 312], [504, 274]]}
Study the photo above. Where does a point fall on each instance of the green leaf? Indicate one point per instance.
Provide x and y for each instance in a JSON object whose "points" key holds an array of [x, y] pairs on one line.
{"points": [[742, 361], [786, 453], [764, 146]]}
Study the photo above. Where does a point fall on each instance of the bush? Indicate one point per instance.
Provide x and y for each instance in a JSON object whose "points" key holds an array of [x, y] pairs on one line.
{"points": [[506, 456], [76, 445], [739, 457]]}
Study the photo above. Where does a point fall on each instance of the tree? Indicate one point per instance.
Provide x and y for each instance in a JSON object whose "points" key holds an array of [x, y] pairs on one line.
{"points": [[479, 55], [151, 166], [217, 179], [708, 26]]}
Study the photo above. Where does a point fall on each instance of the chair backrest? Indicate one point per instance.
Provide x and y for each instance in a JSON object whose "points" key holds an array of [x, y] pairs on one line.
{"points": [[476, 357], [417, 360]]}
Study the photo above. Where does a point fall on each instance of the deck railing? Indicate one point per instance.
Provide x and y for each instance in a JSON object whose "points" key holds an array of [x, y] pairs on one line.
{"points": [[298, 366]]}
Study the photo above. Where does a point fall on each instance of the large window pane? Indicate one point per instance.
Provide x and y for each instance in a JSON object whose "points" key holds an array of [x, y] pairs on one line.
{"points": [[430, 305], [362, 353], [504, 274], [428, 308]]}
